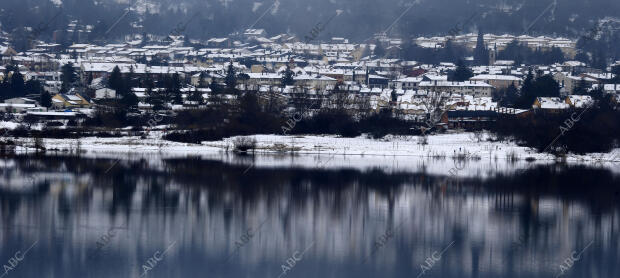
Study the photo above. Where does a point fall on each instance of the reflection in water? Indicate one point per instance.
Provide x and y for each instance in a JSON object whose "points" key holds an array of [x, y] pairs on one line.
{"points": [[193, 217]]}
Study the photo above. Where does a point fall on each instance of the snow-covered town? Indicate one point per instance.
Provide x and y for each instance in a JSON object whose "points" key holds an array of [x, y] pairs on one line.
{"points": [[310, 139], [262, 63], [56, 87]]}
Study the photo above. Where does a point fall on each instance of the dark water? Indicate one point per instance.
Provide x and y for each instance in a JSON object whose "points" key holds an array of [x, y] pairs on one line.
{"points": [[197, 218]]}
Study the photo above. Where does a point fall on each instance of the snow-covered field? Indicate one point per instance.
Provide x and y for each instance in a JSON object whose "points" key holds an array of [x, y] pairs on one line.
{"points": [[393, 153], [8, 125]]}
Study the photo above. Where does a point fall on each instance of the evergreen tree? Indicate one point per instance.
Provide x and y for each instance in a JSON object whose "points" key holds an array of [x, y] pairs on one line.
{"points": [[142, 60], [462, 72], [173, 89], [45, 99], [379, 51], [599, 59], [20, 39], [413, 52], [177, 98], [393, 96], [231, 78], [616, 71], [527, 92], [75, 36], [448, 53], [116, 82], [287, 78], [9, 68], [148, 81], [144, 41], [129, 100], [176, 86], [89, 78], [605, 101], [251, 115], [4, 90], [157, 61], [196, 96], [202, 82], [518, 60], [514, 51], [481, 53], [17, 84], [34, 87], [243, 77], [216, 88], [98, 31], [130, 81], [155, 99], [581, 88], [68, 77], [554, 56], [214, 98], [582, 57], [546, 86], [509, 96], [542, 86]]}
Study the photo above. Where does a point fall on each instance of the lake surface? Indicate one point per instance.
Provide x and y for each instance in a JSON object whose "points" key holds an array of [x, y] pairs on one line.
{"points": [[195, 217]]}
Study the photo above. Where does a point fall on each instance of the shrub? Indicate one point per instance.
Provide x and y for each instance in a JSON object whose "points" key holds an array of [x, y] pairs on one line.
{"points": [[195, 136], [54, 124], [244, 144]]}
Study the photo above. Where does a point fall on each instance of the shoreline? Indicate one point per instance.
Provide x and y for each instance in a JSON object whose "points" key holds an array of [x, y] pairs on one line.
{"points": [[392, 153], [453, 145]]}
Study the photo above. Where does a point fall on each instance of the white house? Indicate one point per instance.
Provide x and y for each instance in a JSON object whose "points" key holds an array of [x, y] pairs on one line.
{"points": [[474, 88], [317, 82], [407, 83], [579, 101], [105, 93], [550, 103], [20, 100], [15, 108], [570, 82], [611, 88], [497, 80]]}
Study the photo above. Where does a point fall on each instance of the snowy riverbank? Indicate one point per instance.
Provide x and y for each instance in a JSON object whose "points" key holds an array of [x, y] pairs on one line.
{"points": [[393, 153]]}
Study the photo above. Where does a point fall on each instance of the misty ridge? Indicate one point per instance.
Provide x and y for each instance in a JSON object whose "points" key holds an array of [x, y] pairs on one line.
{"points": [[353, 19]]}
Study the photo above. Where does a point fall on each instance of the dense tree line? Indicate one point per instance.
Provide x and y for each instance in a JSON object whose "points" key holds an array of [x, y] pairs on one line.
{"points": [[461, 73], [481, 53], [533, 87], [13, 86], [243, 117], [68, 77], [581, 130], [596, 48], [522, 54], [578, 131], [451, 53], [122, 85]]}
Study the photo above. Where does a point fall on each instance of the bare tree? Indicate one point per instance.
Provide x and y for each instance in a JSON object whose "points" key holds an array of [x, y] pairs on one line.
{"points": [[301, 100], [362, 104], [434, 104], [244, 144], [477, 136], [339, 99], [271, 101]]}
